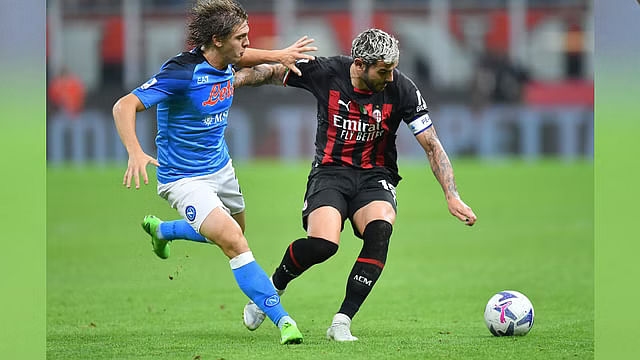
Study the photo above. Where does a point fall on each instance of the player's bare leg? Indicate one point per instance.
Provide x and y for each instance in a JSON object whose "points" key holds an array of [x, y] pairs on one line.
{"points": [[325, 222], [375, 210], [323, 230], [374, 221], [225, 232], [240, 219]]}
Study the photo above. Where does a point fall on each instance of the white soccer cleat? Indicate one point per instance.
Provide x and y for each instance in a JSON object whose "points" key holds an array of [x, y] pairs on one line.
{"points": [[252, 315], [340, 329]]}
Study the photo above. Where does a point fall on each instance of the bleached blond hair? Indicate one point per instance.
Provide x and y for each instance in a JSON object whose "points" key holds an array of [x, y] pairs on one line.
{"points": [[374, 44]]}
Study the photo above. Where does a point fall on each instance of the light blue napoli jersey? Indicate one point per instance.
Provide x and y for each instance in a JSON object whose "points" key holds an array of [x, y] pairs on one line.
{"points": [[193, 101]]}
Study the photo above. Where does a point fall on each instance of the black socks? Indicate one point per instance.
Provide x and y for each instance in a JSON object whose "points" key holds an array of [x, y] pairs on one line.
{"points": [[301, 255], [306, 252], [368, 266]]}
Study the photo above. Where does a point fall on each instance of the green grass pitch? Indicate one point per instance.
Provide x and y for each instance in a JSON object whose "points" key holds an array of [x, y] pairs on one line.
{"points": [[109, 297]]}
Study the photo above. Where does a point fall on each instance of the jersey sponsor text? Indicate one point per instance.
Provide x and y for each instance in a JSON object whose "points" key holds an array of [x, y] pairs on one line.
{"points": [[217, 118], [219, 92], [357, 129]]}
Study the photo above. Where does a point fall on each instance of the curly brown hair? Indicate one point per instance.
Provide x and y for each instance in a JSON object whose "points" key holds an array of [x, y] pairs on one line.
{"points": [[211, 18]]}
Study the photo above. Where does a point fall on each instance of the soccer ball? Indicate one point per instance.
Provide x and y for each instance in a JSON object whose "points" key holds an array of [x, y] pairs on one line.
{"points": [[509, 313]]}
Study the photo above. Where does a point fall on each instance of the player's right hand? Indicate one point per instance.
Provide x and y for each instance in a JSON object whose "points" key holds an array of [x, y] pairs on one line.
{"points": [[461, 210], [295, 52], [138, 165]]}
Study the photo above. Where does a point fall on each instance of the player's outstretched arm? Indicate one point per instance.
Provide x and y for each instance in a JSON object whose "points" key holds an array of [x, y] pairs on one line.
{"points": [[443, 171], [260, 75], [124, 115], [287, 56]]}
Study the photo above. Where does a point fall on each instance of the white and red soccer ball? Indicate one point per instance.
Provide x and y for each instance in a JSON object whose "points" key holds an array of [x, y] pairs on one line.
{"points": [[509, 313]]}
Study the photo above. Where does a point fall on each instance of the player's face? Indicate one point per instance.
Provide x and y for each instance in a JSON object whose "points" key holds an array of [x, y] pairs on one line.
{"points": [[379, 75], [233, 47]]}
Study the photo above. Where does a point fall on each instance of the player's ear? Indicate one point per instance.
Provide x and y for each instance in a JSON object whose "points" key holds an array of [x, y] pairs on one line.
{"points": [[216, 41], [359, 63]]}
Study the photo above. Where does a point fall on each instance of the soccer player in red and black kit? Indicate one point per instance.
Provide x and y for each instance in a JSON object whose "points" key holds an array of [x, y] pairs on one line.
{"points": [[362, 100]]}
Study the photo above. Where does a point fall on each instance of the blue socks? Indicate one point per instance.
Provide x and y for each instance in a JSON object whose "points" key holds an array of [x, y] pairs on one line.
{"points": [[177, 230], [254, 283], [251, 279]]}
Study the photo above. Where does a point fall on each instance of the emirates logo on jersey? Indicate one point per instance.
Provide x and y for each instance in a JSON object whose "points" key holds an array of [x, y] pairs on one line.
{"points": [[354, 123], [351, 129]]}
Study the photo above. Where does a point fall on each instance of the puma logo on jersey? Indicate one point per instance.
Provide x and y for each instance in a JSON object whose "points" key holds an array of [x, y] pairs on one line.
{"points": [[346, 105]]}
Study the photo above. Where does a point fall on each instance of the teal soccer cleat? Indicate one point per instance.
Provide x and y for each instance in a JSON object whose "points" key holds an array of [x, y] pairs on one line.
{"points": [[150, 225]]}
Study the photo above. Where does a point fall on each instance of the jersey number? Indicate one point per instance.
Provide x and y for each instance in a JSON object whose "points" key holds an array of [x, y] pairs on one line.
{"points": [[422, 105], [390, 188]]}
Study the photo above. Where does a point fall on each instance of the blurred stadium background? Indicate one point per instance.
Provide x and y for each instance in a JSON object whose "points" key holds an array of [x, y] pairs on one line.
{"points": [[503, 78]]}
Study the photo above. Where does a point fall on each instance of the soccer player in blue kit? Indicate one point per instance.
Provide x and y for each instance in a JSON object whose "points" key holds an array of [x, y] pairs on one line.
{"points": [[194, 91]]}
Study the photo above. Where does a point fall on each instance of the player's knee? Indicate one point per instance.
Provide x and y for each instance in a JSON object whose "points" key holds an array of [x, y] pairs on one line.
{"points": [[376, 240], [323, 248], [317, 249], [233, 243]]}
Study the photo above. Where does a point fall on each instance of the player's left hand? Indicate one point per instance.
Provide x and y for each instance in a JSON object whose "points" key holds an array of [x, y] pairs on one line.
{"points": [[295, 52], [136, 167], [460, 210]]}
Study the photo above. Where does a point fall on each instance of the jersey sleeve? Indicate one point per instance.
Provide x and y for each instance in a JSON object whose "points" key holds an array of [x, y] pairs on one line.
{"points": [[413, 108], [314, 74], [173, 79]]}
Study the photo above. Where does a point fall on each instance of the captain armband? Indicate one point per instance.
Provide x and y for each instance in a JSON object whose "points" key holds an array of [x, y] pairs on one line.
{"points": [[420, 124]]}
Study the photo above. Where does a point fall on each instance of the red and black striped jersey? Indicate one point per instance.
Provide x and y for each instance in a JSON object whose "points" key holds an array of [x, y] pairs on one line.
{"points": [[358, 128]]}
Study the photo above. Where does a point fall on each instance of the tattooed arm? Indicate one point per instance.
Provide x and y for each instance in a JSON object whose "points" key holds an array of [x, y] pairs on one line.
{"points": [[260, 75], [441, 167]]}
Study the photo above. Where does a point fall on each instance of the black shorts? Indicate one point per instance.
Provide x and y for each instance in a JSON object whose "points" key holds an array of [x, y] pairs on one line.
{"points": [[347, 190]]}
